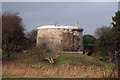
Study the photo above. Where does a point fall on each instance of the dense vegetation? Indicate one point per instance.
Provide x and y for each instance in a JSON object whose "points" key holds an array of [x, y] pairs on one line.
{"points": [[106, 42], [89, 42]]}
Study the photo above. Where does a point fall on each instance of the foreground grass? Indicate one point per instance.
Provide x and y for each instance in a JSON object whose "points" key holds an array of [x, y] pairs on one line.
{"points": [[27, 77], [66, 65]]}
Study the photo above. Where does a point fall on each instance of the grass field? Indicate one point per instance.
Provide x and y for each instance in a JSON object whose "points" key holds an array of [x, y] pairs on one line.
{"points": [[67, 65]]}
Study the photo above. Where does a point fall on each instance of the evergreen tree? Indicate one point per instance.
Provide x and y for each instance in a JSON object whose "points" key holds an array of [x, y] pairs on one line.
{"points": [[116, 27]]}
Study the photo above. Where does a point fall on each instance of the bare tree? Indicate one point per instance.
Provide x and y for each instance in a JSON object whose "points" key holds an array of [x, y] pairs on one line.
{"points": [[12, 31]]}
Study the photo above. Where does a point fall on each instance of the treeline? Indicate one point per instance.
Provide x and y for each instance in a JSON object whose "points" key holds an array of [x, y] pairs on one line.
{"points": [[106, 42]]}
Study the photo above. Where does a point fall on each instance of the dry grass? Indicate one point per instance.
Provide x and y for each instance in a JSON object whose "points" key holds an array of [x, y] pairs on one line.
{"points": [[64, 71], [66, 66]]}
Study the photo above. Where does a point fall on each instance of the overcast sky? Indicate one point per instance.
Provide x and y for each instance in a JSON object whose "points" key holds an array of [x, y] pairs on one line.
{"points": [[90, 15]]}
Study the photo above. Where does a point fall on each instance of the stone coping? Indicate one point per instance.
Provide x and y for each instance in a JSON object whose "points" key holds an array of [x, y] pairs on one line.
{"points": [[57, 27]]}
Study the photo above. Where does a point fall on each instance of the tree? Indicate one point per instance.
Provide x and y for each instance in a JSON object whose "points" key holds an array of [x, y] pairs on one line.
{"points": [[12, 31], [116, 27], [89, 44], [31, 38], [107, 41], [0, 32]]}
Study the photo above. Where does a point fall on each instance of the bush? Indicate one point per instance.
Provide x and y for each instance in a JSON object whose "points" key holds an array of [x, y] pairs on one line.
{"points": [[37, 54]]}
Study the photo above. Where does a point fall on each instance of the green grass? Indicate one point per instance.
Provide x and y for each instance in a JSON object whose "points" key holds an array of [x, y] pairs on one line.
{"points": [[76, 59], [89, 57], [40, 65], [64, 60], [80, 59], [86, 76], [69, 58], [107, 65], [36, 56], [92, 67]]}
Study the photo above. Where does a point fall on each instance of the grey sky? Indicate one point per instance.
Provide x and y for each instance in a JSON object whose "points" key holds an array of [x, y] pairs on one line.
{"points": [[90, 15]]}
